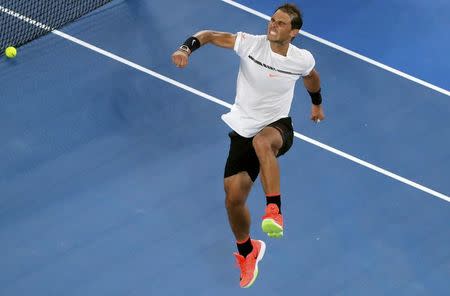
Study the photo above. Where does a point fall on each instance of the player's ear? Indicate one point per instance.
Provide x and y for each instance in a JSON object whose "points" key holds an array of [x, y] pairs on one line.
{"points": [[294, 32]]}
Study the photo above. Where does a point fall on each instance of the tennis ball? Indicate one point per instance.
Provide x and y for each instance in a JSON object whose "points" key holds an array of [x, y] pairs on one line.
{"points": [[11, 52]]}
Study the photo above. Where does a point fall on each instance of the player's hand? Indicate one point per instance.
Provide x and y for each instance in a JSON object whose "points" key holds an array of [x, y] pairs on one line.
{"points": [[317, 113], [180, 58]]}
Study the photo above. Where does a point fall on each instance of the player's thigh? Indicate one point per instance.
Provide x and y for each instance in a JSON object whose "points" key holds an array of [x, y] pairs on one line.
{"points": [[241, 157]]}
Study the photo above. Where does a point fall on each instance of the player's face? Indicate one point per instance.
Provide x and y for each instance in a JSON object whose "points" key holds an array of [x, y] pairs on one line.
{"points": [[279, 28]]}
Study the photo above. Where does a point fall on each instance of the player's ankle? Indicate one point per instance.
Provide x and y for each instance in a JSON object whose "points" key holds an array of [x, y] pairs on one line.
{"points": [[274, 198]]}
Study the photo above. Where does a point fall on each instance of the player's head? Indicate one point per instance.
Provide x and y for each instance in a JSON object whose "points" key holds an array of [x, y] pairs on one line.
{"points": [[285, 23]]}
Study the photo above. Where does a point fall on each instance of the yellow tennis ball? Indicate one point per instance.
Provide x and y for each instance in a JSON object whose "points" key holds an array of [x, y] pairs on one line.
{"points": [[11, 52]]}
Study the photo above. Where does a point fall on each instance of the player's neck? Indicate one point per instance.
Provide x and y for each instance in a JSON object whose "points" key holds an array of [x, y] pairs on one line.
{"points": [[280, 48]]}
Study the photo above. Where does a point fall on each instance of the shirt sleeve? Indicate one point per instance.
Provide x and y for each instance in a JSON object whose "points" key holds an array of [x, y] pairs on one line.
{"points": [[244, 43], [309, 63]]}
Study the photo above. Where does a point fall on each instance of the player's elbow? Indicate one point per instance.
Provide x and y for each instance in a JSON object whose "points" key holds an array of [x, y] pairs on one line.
{"points": [[204, 36], [312, 75]]}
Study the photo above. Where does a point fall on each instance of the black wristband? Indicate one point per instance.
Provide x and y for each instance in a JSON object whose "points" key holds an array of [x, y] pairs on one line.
{"points": [[192, 43], [316, 97]]}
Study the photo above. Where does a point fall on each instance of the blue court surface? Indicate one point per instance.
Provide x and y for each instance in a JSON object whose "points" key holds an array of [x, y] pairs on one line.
{"points": [[111, 160]]}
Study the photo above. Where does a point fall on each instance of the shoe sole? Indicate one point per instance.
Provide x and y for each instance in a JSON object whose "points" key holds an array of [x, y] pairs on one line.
{"points": [[260, 256], [272, 229]]}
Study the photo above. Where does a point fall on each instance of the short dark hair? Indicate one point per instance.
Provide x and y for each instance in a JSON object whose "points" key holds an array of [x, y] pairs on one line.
{"points": [[294, 13]]}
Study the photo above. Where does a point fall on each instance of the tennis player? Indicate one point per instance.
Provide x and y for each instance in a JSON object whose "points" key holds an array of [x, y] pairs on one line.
{"points": [[261, 129]]}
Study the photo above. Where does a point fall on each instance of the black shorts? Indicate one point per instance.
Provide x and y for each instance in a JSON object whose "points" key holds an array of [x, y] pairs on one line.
{"points": [[242, 156]]}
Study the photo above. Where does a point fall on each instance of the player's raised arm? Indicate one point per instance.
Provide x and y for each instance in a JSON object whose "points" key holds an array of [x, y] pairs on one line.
{"points": [[222, 39]]}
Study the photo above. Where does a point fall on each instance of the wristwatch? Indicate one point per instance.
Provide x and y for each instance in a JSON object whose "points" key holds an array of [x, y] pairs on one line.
{"points": [[185, 49]]}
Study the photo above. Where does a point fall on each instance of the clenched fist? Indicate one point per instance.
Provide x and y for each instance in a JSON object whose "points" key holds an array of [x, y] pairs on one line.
{"points": [[180, 58]]}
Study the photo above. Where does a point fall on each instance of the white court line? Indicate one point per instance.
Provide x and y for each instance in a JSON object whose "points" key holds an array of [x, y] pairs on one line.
{"points": [[372, 167], [142, 69], [227, 105], [347, 51]]}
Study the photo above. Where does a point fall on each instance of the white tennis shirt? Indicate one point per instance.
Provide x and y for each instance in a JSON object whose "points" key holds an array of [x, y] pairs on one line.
{"points": [[265, 83]]}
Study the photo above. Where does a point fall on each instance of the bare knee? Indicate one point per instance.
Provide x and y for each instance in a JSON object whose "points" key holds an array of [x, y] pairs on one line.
{"points": [[234, 200], [234, 196], [237, 189], [262, 146]]}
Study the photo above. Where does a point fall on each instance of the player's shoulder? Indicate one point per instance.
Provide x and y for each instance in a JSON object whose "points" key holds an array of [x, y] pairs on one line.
{"points": [[302, 58], [249, 36], [300, 53], [246, 41]]}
